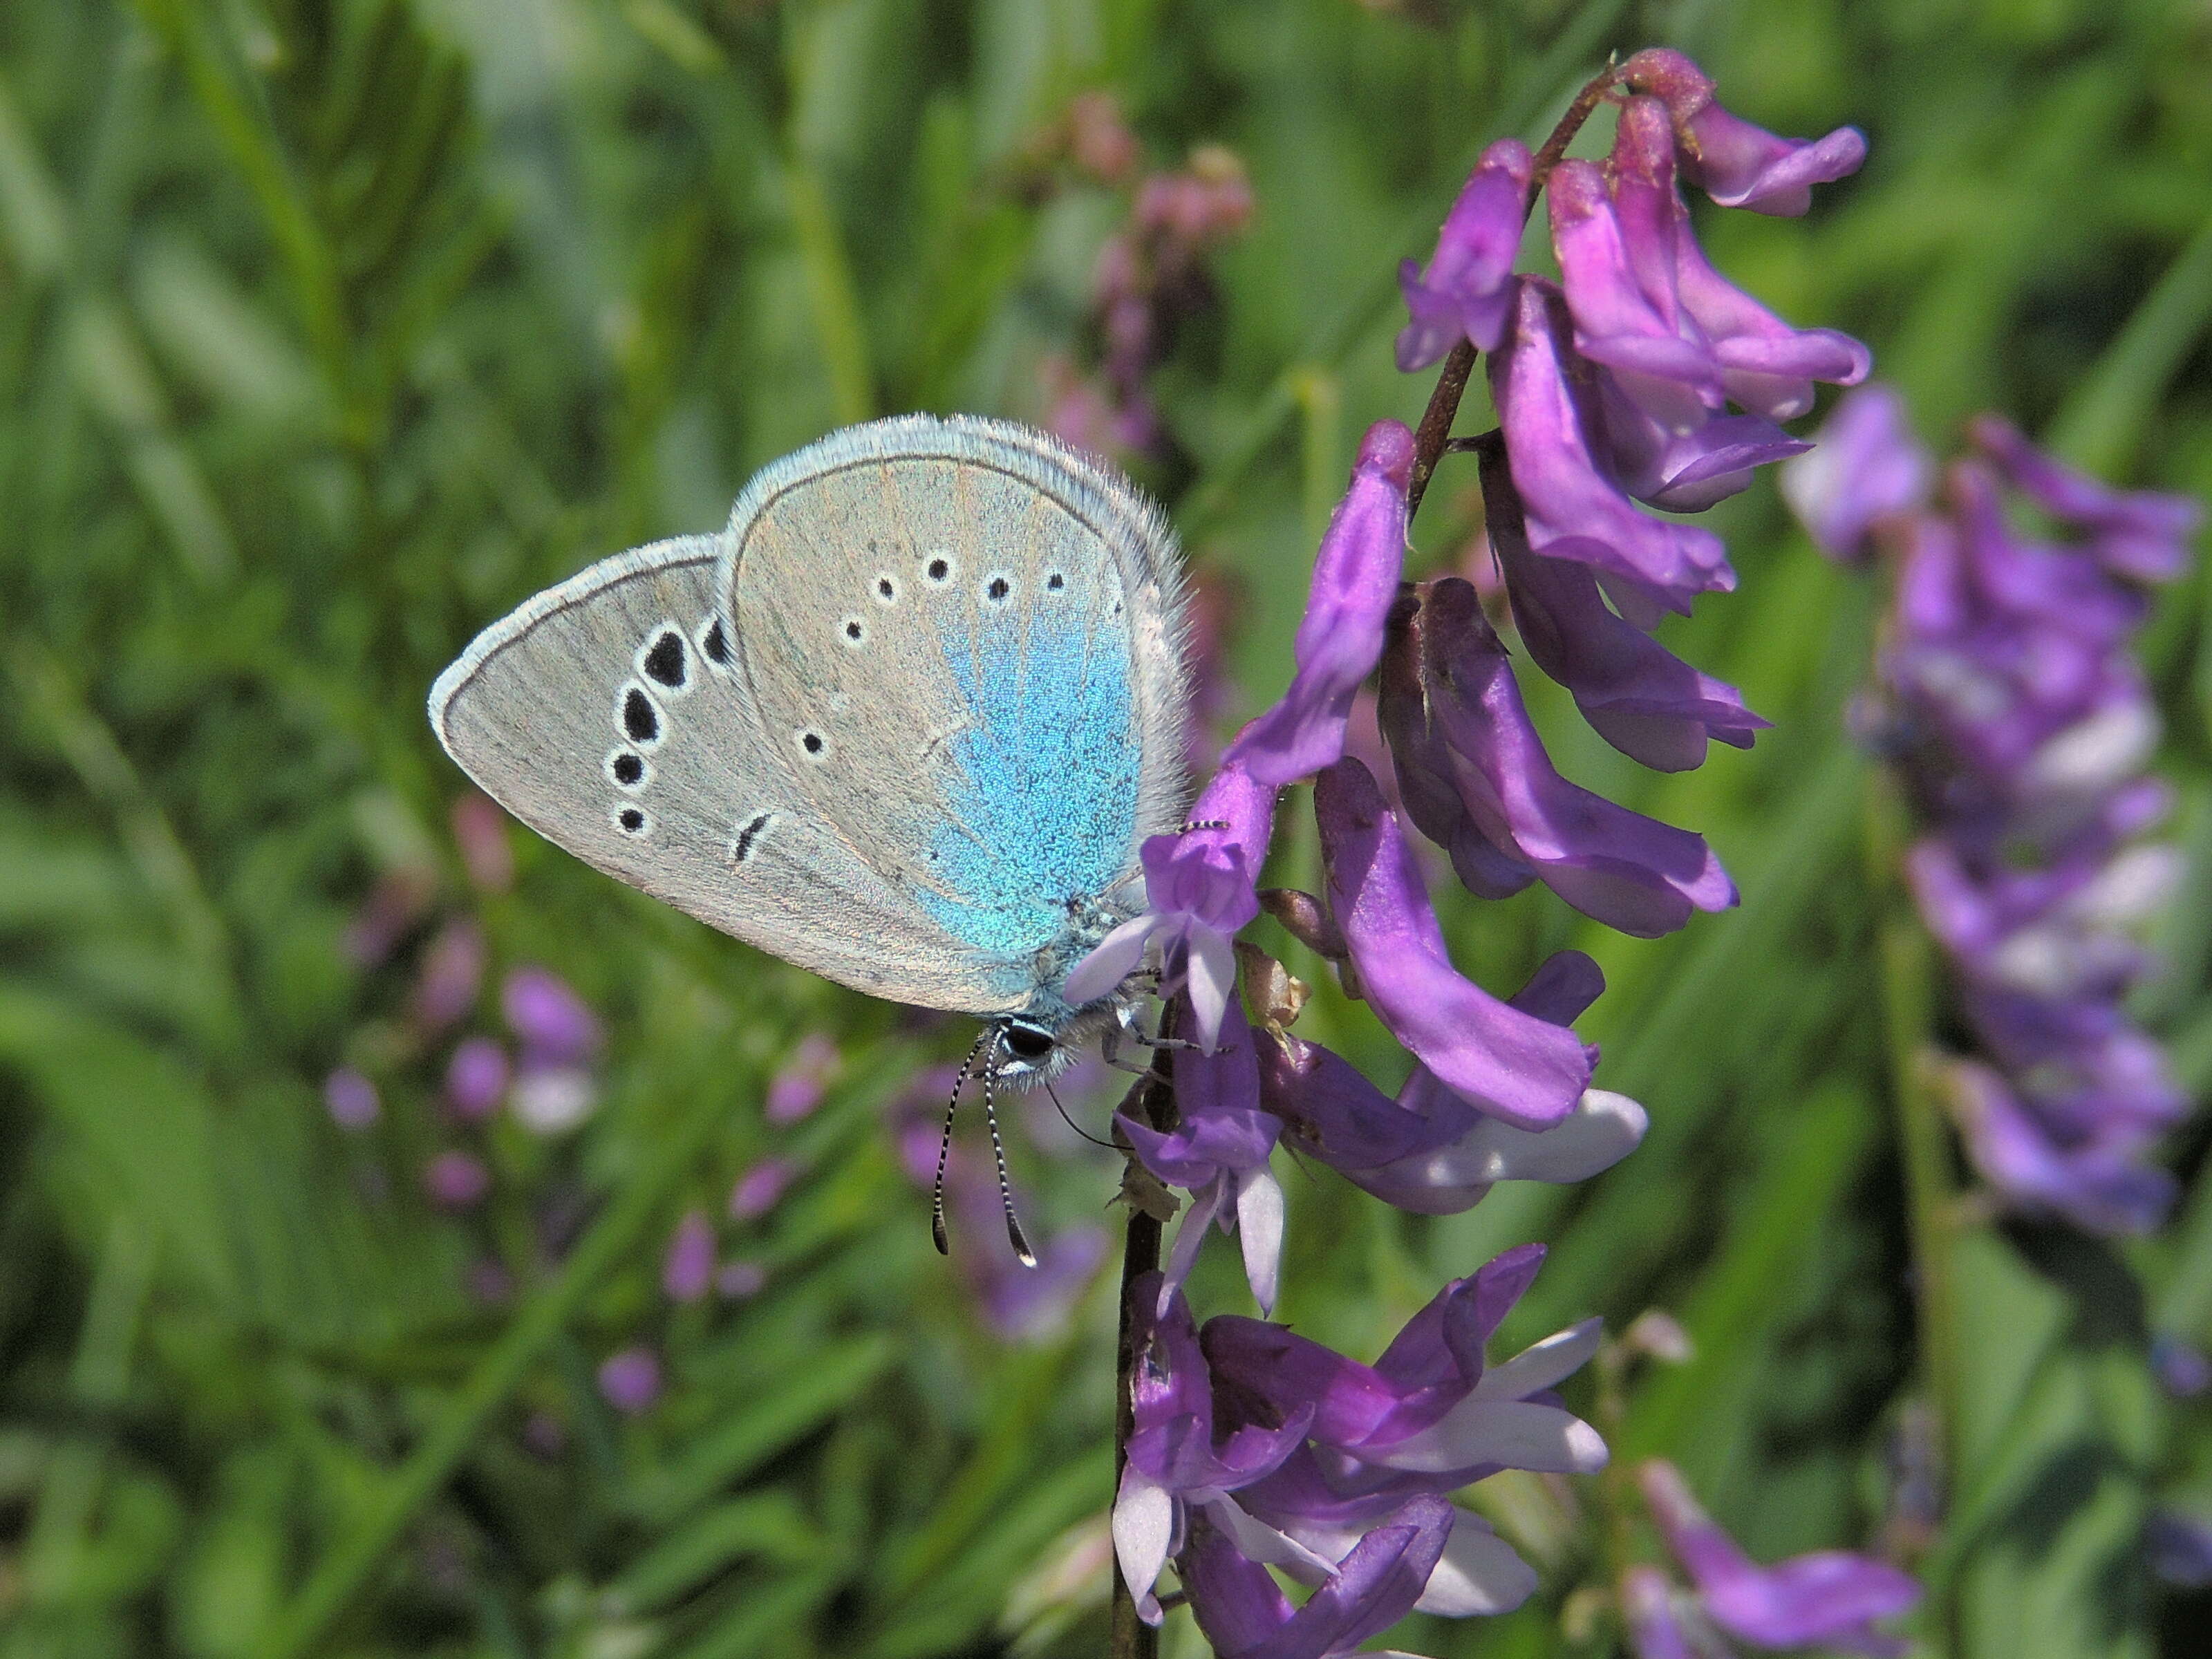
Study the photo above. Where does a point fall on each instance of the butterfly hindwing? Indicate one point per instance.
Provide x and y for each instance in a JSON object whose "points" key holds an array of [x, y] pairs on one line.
{"points": [[965, 641], [610, 715]]}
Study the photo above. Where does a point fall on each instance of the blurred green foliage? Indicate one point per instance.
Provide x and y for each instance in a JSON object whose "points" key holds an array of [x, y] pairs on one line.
{"points": [[329, 328]]}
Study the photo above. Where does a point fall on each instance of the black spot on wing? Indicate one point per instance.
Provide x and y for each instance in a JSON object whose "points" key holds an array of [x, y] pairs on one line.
{"points": [[716, 644], [639, 719], [742, 848], [666, 662]]}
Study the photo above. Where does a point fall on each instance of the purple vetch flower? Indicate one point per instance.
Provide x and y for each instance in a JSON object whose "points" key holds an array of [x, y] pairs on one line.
{"points": [[2143, 535], [1476, 780], [1175, 1464], [489, 1283], [1636, 694], [1830, 1597], [2097, 1183], [351, 1099], [452, 974], [797, 1089], [1218, 1153], [475, 1079], [1647, 1607], [687, 1270], [1573, 506], [1767, 368], [630, 1381], [1466, 289], [455, 1181], [1341, 639], [2180, 1548], [760, 1187], [1737, 164], [1245, 1615], [2020, 723], [1200, 887], [1866, 466], [1510, 1065], [1427, 1151], [2183, 1370], [550, 1020], [1427, 1418]]}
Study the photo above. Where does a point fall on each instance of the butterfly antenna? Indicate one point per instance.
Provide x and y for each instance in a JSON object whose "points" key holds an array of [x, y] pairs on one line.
{"points": [[944, 1150], [1070, 1121], [999, 1149]]}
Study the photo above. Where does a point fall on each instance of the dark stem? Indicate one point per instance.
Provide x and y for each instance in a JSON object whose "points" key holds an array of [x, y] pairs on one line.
{"points": [[1432, 436], [1154, 1101]]}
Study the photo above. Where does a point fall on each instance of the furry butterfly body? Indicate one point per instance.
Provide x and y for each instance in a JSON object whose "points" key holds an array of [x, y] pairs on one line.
{"points": [[905, 722]]}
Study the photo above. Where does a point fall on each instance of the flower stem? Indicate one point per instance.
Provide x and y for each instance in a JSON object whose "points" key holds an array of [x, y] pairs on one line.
{"points": [[1130, 1636], [1435, 429], [1907, 971]]}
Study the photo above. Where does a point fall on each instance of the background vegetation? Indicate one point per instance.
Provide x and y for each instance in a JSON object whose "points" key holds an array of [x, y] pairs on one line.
{"points": [[329, 330]]}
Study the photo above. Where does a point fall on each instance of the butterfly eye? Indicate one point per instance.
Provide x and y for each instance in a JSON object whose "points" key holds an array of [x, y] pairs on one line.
{"points": [[1027, 1042]]}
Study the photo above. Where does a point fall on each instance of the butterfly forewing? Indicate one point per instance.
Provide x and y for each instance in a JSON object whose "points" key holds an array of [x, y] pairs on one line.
{"points": [[964, 642], [610, 716]]}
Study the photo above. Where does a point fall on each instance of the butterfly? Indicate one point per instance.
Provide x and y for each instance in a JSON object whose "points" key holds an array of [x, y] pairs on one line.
{"points": [[905, 722]]}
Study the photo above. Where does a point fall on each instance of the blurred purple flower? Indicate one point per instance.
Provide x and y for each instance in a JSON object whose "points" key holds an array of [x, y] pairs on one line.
{"points": [[1737, 164], [351, 1099], [1499, 1060], [797, 1089], [740, 1280], [553, 1023], [2011, 702], [1866, 466], [480, 831], [1830, 1597], [687, 1270], [2180, 1548], [451, 974], [475, 1079], [394, 903], [1466, 289], [2184, 1369], [1340, 640], [1647, 1607], [455, 1181], [489, 1282], [2143, 535], [1033, 1304], [758, 1189], [630, 1381]]}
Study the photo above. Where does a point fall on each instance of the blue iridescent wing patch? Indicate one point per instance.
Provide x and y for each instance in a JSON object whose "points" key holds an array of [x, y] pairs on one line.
{"points": [[967, 642]]}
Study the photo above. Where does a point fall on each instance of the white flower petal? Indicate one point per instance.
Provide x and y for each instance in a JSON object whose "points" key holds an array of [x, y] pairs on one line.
{"points": [[1256, 1541], [1211, 974], [1259, 1227], [1143, 1523], [1512, 1433], [1114, 960], [1190, 1233], [1478, 1573], [1541, 1363]]}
